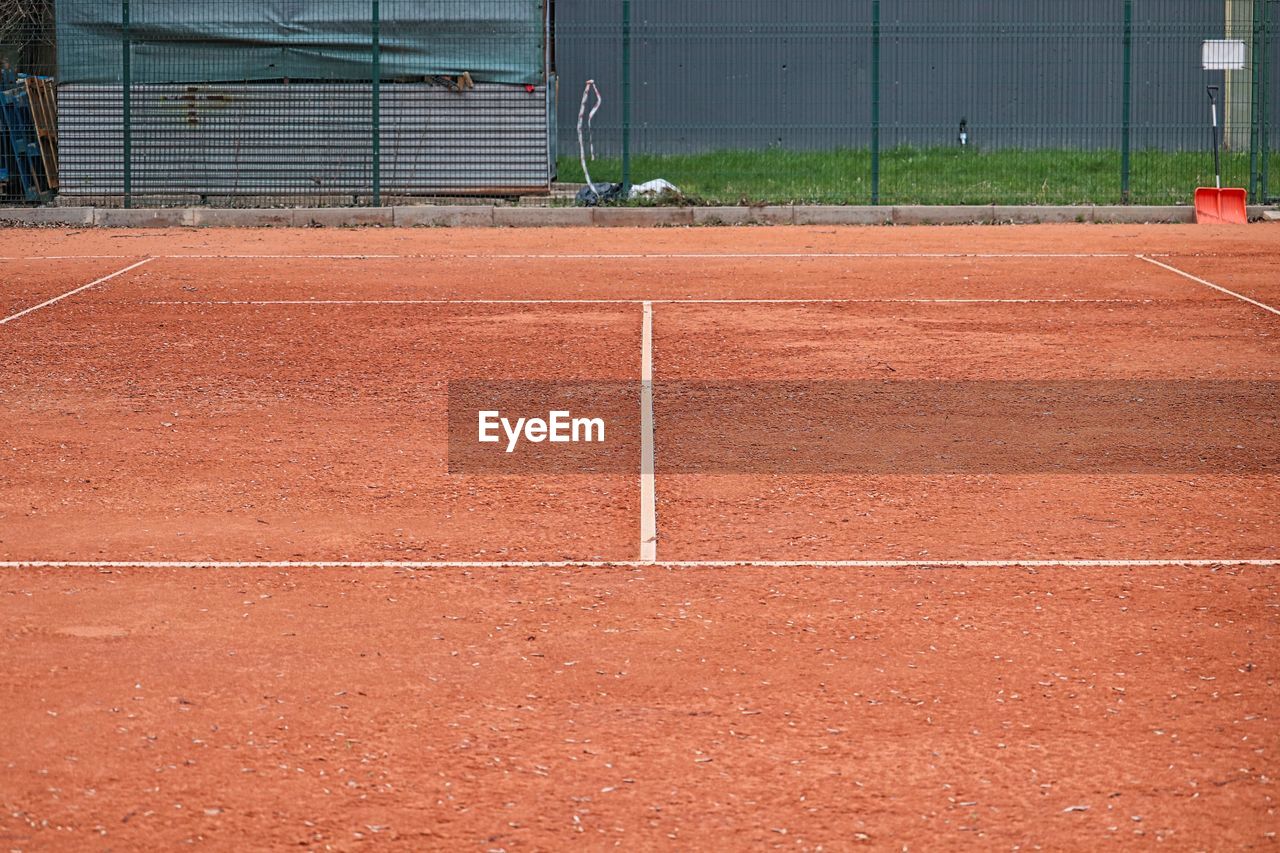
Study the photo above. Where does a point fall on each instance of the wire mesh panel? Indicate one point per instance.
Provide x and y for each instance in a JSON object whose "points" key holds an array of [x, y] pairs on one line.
{"points": [[1001, 101], [1172, 118], [28, 102], [470, 116], [751, 100], [358, 102], [231, 102], [919, 101]]}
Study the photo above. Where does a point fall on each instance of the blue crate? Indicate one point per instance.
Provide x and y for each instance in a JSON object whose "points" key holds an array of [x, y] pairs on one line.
{"points": [[19, 138]]}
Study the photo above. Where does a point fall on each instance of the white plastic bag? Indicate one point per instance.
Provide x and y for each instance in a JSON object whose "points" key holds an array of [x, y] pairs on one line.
{"points": [[652, 189]]}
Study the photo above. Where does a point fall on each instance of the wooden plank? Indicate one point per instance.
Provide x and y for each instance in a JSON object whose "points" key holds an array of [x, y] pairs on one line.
{"points": [[44, 115], [49, 106]]}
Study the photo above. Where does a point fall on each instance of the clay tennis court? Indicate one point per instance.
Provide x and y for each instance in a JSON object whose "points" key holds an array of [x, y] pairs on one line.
{"points": [[247, 598]]}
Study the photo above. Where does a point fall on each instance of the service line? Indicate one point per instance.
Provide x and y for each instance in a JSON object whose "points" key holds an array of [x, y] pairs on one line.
{"points": [[68, 257], [686, 256], [589, 256], [633, 564], [71, 293], [692, 301]]}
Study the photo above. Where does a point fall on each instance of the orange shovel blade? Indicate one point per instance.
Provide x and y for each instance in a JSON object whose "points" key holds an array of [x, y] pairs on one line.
{"points": [[1221, 207]]}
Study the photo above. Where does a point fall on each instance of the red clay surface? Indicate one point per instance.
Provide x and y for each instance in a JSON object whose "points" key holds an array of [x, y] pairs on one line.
{"points": [[231, 433], [651, 708], [457, 277], [1258, 240], [639, 708], [1255, 277], [1060, 516], [27, 283]]}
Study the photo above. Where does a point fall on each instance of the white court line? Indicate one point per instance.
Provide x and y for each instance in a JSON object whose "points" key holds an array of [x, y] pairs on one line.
{"points": [[67, 257], [643, 256], [748, 255], [595, 256], [1217, 287], [234, 257], [640, 256], [79, 289], [271, 257], [629, 564], [648, 493], [798, 301]]}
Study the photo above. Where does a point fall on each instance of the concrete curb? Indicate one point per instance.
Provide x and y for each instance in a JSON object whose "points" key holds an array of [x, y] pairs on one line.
{"points": [[1049, 213], [957, 215], [46, 216], [444, 216], [484, 215], [215, 217], [1138, 214], [344, 217], [822, 214], [543, 217], [619, 217], [780, 215]]}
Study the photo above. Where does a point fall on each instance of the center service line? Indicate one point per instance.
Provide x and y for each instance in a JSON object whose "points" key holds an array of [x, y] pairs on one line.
{"points": [[648, 497]]}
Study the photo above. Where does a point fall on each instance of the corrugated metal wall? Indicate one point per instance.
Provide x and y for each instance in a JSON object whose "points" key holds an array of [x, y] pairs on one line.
{"points": [[253, 139]]}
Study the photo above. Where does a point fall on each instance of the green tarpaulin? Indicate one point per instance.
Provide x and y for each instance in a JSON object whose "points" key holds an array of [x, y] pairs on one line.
{"points": [[189, 41]]}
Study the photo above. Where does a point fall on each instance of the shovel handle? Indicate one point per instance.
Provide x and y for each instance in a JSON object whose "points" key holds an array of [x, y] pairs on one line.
{"points": [[1217, 161]]}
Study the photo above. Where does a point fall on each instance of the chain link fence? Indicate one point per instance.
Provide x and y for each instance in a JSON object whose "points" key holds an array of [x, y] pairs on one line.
{"points": [[375, 102]]}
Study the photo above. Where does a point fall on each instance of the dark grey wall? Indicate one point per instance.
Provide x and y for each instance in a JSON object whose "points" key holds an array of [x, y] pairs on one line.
{"points": [[714, 74]]}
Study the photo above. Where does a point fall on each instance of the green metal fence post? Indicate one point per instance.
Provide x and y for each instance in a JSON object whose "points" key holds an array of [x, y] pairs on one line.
{"points": [[126, 80], [377, 104], [1255, 85], [626, 98], [1264, 100], [1126, 120], [875, 101], [1262, 116]]}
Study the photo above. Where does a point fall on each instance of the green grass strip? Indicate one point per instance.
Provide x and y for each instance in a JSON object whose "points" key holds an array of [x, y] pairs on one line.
{"points": [[926, 176]]}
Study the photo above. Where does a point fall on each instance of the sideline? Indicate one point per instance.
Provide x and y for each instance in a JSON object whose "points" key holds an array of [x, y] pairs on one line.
{"points": [[1217, 287], [71, 293]]}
